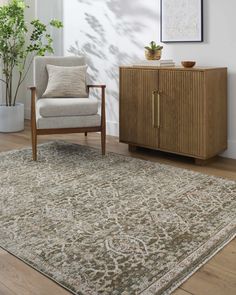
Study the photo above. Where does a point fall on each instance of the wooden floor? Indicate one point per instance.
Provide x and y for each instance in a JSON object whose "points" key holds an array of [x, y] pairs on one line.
{"points": [[217, 277]]}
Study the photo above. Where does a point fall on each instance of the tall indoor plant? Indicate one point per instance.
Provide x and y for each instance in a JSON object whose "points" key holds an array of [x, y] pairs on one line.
{"points": [[19, 43]]}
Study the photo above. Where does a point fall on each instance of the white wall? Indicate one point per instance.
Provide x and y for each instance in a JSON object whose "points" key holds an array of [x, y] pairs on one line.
{"points": [[113, 32], [47, 10]]}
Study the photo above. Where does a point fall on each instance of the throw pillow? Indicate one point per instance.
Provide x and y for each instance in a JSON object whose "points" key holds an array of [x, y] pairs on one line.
{"points": [[66, 82]]}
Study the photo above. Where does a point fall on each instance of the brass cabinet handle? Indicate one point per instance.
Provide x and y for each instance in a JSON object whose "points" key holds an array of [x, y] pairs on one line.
{"points": [[156, 112], [154, 124]]}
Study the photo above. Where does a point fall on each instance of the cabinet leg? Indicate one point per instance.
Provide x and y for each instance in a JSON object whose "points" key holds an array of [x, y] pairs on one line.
{"points": [[132, 148], [201, 162]]}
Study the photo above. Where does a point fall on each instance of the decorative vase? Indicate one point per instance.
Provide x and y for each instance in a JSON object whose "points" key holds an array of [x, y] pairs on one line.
{"points": [[12, 118], [153, 54]]}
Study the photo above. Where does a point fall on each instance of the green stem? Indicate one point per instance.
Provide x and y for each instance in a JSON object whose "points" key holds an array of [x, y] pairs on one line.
{"points": [[6, 94], [7, 84], [20, 81], [10, 90], [17, 89], [31, 61]]}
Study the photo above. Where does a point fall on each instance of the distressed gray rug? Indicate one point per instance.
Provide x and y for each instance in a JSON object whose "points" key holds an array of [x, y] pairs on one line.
{"points": [[114, 224]]}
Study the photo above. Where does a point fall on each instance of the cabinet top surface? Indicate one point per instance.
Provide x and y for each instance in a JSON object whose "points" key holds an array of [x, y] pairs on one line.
{"points": [[173, 68]]}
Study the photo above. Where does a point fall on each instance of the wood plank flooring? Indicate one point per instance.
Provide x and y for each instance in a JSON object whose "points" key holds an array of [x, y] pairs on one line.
{"points": [[217, 277]]}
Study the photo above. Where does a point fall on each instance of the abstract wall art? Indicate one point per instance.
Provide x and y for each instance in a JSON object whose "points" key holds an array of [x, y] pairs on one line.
{"points": [[181, 21]]}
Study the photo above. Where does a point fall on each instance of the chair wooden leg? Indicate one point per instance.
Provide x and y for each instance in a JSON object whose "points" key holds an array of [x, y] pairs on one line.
{"points": [[34, 144], [103, 141], [86, 133]]}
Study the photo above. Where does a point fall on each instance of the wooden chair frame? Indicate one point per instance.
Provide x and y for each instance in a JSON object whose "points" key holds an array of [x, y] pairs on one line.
{"points": [[35, 131]]}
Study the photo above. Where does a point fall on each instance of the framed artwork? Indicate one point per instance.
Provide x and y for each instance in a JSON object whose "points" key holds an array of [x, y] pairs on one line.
{"points": [[181, 21]]}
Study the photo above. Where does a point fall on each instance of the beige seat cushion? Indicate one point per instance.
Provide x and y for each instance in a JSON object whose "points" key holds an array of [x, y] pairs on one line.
{"points": [[63, 107], [68, 122], [66, 81]]}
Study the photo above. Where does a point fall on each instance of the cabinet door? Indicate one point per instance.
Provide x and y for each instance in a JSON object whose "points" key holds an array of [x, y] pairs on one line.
{"points": [[136, 107], [182, 111]]}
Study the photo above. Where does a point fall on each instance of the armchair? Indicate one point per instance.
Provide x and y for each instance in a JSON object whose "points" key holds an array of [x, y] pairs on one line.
{"points": [[64, 115]]}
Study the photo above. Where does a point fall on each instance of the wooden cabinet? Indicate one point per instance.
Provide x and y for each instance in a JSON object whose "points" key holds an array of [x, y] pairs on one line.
{"points": [[178, 110]]}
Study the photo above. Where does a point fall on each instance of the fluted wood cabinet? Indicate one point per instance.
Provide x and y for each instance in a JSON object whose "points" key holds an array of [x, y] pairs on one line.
{"points": [[177, 110]]}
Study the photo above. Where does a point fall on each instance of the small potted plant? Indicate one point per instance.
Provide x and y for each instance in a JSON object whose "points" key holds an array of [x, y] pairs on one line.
{"points": [[153, 51], [20, 42]]}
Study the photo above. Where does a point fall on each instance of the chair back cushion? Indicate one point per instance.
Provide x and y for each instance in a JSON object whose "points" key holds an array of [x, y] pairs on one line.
{"points": [[66, 82], [40, 69]]}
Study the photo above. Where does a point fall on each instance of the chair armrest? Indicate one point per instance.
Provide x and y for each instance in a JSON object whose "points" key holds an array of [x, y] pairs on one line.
{"points": [[33, 106], [33, 96], [32, 88], [103, 105]]}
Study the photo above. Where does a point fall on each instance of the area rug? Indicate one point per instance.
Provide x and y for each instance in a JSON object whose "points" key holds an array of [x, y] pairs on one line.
{"points": [[111, 225]]}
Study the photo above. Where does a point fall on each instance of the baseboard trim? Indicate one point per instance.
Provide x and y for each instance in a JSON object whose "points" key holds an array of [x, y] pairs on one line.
{"points": [[231, 151], [112, 128]]}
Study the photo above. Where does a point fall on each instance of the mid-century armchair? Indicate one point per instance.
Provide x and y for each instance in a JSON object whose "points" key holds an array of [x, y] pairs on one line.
{"points": [[64, 115]]}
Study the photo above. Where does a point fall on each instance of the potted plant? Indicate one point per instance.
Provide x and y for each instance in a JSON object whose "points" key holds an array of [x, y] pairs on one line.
{"points": [[19, 43], [153, 51]]}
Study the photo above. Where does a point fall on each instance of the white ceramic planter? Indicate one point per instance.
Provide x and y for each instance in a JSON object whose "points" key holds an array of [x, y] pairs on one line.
{"points": [[12, 118]]}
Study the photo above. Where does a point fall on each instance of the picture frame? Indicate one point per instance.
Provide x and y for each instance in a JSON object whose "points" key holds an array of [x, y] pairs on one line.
{"points": [[181, 21]]}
